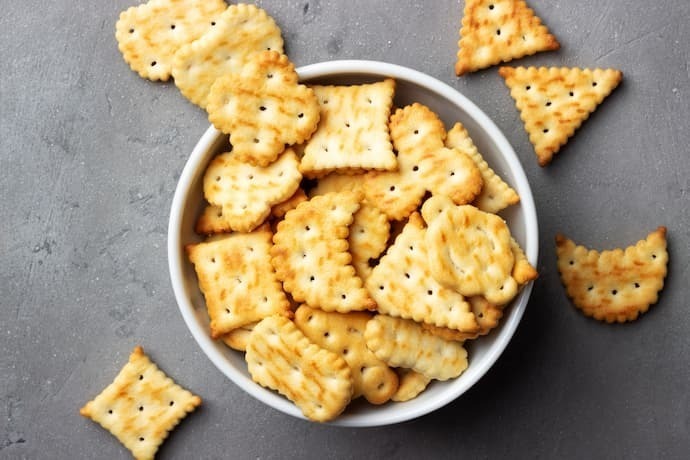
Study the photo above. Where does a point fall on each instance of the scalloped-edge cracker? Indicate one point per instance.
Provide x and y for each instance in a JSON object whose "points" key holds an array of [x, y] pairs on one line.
{"points": [[239, 32], [246, 193], [554, 102], [469, 250], [353, 130], [237, 339], [496, 194], [368, 238], [237, 279], [141, 406], [412, 384], [523, 271], [487, 315], [424, 164], [614, 285], [343, 334], [404, 343], [495, 31], [279, 356], [311, 258], [148, 35], [279, 210], [402, 285], [337, 183], [263, 108]]}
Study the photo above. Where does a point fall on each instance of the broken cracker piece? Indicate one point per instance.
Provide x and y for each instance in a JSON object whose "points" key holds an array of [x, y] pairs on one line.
{"points": [[487, 315], [141, 406], [495, 31], [554, 102], [237, 339], [614, 285], [411, 384]]}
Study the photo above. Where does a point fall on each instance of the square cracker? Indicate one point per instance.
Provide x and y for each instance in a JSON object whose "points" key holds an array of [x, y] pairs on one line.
{"points": [[141, 406], [343, 334], [245, 192], [148, 35], [402, 286], [496, 195], [499, 30], [353, 130], [237, 279], [239, 32]]}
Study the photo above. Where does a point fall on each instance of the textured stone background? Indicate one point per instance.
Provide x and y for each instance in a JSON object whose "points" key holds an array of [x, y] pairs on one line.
{"points": [[90, 156]]}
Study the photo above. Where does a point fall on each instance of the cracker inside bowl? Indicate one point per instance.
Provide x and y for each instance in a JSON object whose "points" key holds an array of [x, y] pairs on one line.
{"points": [[451, 107]]}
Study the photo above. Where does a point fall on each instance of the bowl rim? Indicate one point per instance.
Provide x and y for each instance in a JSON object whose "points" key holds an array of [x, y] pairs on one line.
{"points": [[382, 70]]}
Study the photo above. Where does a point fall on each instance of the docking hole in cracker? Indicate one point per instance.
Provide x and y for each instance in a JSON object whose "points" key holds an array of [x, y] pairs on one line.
{"points": [[614, 285], [141, 406]]}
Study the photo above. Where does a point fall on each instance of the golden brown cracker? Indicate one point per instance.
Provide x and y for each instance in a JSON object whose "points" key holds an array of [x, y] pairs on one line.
{"points": [[311, 258], [469, 250], [338, 183], [614, 285], [148, 35], [424, 164], [237, 279], [404, 343], [343, 334], [280, 357], [496, 194], [554, 102], [239, 32], [353, 130], [487, 315], [263, 108], [495, 31], [245, 192], [237, 339], [402, 285], [523, 271], [279, 210], [368, 238], [211, 221], [411, 384], [141, 406]]}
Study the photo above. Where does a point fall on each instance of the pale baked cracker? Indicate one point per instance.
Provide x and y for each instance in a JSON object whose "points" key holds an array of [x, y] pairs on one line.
{"points": [[614, 285], [469, 250], [496, 195], [237, 339], [424, 164], [148, 35], [554, 102], [343, 334], [311, 258], [404, 343], [368, 238], [239, 32], [141, 406], [411, 384], [338, 183], [353, 130], [279, 210], [246, 192], [402, 285], [237, 279], [495, 31], [280, 357], [487, 315], [263, 108]]}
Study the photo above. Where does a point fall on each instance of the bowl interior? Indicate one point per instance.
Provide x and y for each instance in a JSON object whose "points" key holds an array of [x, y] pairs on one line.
{"points": [[411, 87]]}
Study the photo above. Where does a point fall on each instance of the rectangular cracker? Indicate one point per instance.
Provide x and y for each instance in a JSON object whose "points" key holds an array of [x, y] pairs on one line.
{"points": [[141, 406], [353, 130], [280, 357], [343, 334], [237, 279], [404, 343]]}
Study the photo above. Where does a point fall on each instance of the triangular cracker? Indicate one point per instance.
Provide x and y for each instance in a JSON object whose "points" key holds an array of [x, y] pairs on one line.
{"points": [[149, 34], [496, 195], [402, 286], [141, 406], [239, 32], [237, 279], [614, 285], [311, 255], [424, 164], [353, 130], [263, 108], [553, 102], [499, 30], [245, 192]]}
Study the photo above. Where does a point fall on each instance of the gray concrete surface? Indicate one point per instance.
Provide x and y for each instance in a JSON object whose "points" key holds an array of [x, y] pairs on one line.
{"points": [[90, 156]]}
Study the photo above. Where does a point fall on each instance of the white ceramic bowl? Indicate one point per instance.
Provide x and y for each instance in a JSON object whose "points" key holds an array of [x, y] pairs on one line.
{"points": [[412, 86]]}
